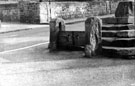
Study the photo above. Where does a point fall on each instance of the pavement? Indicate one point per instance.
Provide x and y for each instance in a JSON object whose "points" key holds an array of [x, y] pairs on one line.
{"points": [[7, 27]]}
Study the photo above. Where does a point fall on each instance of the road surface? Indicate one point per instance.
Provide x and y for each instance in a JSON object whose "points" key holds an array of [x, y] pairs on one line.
{"points": [[26, 61], [28, 45]]}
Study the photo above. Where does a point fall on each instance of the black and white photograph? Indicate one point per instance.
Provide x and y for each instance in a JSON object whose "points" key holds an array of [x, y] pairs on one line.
{"points": [[67, 42]]}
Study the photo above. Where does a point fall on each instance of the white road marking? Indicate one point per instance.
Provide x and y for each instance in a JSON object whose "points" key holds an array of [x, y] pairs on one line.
{"points": [[10, 36], [8, 51], [22, 40], [13, 35], [3, 60], [133, 84]]}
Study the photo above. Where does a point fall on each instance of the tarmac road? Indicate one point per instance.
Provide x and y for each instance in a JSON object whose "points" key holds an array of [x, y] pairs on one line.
{"points": [[21, 41], [26, 61], [81, 72]]}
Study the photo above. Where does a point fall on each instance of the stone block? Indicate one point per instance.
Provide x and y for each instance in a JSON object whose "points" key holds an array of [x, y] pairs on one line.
{"points": [[118, 42], [125, 20], [118, 20], [65, 39], [118, 27], [119, 33], [109, 20], [71, 40], [56, 25], [79, 38], [118, 51], [124, 9], [92, 36]]}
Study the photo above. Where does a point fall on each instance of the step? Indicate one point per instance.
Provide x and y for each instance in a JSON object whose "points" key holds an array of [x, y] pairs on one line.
{"points": [[118, 27], [125, 20], [116, 51], [118, 33], [118, 42], [109, 20], [118, 20]]}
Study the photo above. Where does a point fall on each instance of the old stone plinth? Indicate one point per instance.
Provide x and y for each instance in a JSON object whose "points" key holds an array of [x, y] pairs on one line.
{"points": [[118, 20], [124, 12], [124, 9], [119, 31], [125, 20], [56, 25], [121, 34], [109, 20], [119, 52], [92, 36], [118, 27], [118, 40]]}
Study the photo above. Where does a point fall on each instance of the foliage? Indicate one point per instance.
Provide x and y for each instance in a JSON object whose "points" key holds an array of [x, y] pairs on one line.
{"points": [[89, 9]]}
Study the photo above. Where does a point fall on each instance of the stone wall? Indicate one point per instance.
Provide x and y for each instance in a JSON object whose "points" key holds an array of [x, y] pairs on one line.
{"points": [[70, 10], [29, 12], [40, 12], [9, 12]]}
